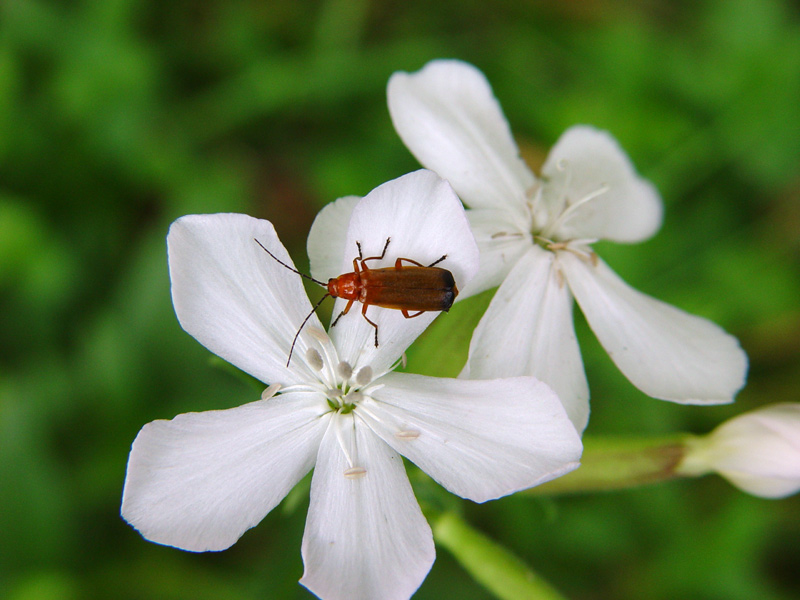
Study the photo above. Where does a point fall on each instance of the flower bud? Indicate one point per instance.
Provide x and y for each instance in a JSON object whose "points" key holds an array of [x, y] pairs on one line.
{"points": [[759, 451]]}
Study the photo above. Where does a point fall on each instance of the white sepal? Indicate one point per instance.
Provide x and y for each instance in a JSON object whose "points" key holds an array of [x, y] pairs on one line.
{"points": [[199, 481], [365, 535], [234, 298], [479, 439], [528, 330], [665, 352], [449, 118]]}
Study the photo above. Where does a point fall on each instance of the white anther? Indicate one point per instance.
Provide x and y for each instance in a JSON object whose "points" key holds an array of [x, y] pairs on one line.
{"points": [[318, 334], [354, 397], [409, 434], [364, 375], [559, 273], [344, 370], [334, 393], [355, 473], [314, 359], [270, 391]]}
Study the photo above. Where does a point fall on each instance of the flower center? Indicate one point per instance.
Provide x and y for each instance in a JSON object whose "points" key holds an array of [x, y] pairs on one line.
{"points": [[551, 206]]}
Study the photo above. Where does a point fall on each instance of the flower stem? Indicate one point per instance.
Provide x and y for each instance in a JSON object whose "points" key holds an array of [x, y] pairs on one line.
{"points": [[490, 564], [610, 463]]}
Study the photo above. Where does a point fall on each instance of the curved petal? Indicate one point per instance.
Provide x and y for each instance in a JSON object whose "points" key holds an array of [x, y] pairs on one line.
{"points": [[365, 536], [199, 481], [424, 220], [582, 164], [448, 117], [500, 243], [235, 299], [528, 330], [758, 451], [328, 236], [479, 439], [665, 352], [779, 486]]}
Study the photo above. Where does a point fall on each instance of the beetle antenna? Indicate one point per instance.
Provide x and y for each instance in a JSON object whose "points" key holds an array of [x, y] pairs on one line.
{"points": [[313, 310], [291, 269]]}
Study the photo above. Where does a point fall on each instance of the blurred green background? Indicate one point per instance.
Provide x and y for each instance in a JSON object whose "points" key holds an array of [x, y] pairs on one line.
{"points": [[117, 117]]}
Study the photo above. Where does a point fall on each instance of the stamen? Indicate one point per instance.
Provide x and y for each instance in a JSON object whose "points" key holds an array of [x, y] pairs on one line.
{"points": [[344, 370], [329, 357], [407, 435], [318, 334], [567, 212], [372, 389], [350, 453], [314, 359], [270, 391], [364, 375], [354, 397], [559, 273], [355, 473]]}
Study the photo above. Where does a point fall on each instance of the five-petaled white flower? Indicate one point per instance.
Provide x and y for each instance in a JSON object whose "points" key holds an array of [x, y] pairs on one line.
{"points": [[534, 237], [758, 451], [199, 481]]}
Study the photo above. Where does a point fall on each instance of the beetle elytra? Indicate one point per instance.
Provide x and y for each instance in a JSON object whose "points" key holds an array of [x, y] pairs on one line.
{"points": [[413, 288]]}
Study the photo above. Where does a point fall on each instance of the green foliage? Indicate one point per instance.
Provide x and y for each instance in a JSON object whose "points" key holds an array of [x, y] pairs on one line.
{"points": [[117, 117]]}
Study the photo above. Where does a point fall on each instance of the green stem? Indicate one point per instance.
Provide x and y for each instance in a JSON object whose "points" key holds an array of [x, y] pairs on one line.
{"points": [[610, 463], [490, 564]]}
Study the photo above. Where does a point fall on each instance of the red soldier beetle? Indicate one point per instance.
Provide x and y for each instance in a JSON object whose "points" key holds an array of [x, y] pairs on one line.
{"points": [[417, 288]]}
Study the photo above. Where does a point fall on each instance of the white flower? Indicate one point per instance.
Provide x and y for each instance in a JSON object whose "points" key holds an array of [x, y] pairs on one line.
{"points": [[759, 451], [534, 237], [199, 481]]}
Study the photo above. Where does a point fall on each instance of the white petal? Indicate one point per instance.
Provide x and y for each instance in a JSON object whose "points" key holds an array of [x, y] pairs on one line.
{"points": [[234, 298], [199, 481], [479, 439], [365, 535], [448, 117], [758, 451], [585, 161], [665, 352], [328, 236], [528, 330], [778, 486], [425, 221], [500, 243]]}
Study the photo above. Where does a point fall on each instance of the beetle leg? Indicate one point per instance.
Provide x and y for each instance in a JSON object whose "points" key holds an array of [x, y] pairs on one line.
{"points": [[344, 312], [398, 264], [375, 325], [363, 260], [438, 260], [408, 316]]}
